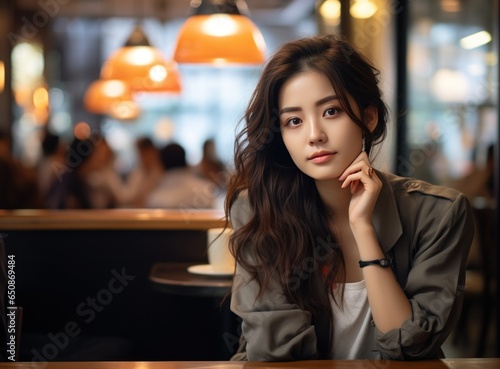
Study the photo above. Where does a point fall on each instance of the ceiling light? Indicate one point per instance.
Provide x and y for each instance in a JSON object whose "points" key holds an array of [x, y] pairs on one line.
{"points": [[143, 67], [329, 11], [112, 97], [475, 40], [219, 33], [363, 9]]}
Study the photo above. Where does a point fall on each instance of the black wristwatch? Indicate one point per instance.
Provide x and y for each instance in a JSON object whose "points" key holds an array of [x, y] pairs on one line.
{"points": [[384, 263]]}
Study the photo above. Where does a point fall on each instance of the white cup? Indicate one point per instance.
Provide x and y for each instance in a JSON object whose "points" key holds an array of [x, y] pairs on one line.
{"points": [[219, 256]]}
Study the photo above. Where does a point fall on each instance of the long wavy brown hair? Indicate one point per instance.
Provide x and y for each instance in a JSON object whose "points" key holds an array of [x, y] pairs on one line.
{"points": [[287, 237]]}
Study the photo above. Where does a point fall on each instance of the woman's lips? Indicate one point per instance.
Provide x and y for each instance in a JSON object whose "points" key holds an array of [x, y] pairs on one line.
{"points": [[321, 158]]}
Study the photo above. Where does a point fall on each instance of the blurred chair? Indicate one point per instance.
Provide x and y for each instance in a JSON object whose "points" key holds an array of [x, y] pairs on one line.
{"points": [[480, 278]]}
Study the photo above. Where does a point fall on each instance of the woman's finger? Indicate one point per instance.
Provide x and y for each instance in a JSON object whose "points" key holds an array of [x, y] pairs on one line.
{"points": [[355, 165], [354, 168], [361, 176]]}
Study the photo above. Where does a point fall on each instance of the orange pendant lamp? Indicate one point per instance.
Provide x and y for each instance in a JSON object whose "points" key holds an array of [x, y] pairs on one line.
{"points": [[141, 66], [219, 33], [112, 97]]}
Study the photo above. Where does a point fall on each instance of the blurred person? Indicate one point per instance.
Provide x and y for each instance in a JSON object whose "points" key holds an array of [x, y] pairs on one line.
{"points": [[478, 183], [210, 166], [87, 179], [18, 185], [180, 187], [69, 191], [105, 185], [145, 176], [52, 158]]}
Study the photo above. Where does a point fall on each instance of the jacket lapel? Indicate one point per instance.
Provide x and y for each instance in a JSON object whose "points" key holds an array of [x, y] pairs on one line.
{"points": [[386, 220]]}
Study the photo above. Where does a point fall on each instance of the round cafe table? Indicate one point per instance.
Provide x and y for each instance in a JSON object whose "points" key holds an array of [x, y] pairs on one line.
{"points": [[175, 278]]}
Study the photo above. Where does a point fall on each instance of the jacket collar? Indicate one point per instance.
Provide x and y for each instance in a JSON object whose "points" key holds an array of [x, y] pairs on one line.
{"points": [[386, 220]]}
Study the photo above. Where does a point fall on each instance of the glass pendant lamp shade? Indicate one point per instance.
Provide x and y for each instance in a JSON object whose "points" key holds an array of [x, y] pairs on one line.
{"points": [[111, 97], [220, 37], [143, 67]]}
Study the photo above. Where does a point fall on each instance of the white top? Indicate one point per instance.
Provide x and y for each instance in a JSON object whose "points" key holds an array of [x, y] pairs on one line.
{"points": [[180, 188], [353, 332]]}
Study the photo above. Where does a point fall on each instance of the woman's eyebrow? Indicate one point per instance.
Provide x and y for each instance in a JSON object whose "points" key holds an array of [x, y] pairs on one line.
{"points": [[290, 109], [326, 99], [318, 103]]}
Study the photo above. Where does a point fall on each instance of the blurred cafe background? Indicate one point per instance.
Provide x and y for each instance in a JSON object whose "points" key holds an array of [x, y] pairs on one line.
{"points": [[116, 114]]}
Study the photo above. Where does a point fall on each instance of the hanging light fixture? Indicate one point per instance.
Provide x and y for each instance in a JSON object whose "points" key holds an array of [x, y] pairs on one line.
{"points": [[329, 12], [112, 97], [218, 33], [141, 66], [363, 9]]}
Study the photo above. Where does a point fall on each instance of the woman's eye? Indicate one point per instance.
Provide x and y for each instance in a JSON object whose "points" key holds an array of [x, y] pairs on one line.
{"points": [[293, 122], [331, 111]]}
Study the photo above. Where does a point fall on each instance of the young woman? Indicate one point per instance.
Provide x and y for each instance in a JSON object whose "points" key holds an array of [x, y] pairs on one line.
{"points": [[335, 259]]}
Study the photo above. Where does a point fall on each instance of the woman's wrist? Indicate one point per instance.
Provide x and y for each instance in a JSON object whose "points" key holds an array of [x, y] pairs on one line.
{"points": [[361, 227], [367, 242]]}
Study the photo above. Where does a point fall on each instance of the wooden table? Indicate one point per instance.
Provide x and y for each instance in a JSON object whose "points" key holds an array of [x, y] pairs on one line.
{"points": [[331, 364], [107, 219]]}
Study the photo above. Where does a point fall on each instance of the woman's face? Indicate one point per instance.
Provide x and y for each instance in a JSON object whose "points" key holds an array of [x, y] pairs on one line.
{"points": [[321, 138]]}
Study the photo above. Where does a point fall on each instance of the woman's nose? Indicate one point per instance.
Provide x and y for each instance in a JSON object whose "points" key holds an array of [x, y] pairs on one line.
{"points": [[316, 133]]}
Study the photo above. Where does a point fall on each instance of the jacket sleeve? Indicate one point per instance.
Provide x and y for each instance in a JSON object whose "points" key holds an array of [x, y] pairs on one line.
{"points": [[272, 328], [435, 283]]}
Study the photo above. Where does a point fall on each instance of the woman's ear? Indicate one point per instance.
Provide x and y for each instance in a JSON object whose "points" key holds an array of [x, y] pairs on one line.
{"points": [[371, 117]]}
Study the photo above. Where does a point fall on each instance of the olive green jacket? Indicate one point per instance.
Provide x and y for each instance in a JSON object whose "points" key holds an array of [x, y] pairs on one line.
{"points": [[425, 230]]}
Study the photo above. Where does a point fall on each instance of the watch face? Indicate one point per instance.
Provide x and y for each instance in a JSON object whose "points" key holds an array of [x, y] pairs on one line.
{"points": [[385, 263]]}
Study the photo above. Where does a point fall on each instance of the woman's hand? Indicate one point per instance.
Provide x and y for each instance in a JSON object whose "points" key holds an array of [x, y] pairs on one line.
{"points": [[365, 187]]}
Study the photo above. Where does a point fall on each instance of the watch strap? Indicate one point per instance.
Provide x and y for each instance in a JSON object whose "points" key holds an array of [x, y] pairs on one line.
{"points": [[384, 262]]}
